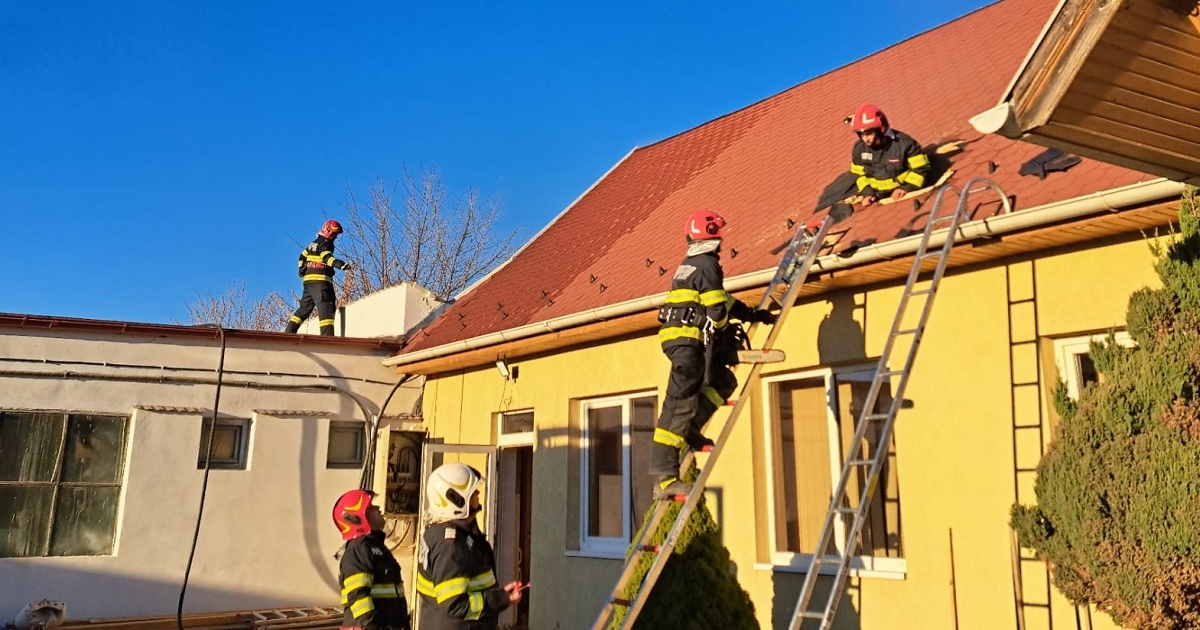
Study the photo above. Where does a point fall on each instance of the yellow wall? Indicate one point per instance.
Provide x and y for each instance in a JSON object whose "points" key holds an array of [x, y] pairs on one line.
{"points": [[955, 444]]}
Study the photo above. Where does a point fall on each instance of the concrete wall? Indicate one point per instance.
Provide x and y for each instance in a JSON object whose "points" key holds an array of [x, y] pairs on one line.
{"points": [[955, 444], [266, 538]]}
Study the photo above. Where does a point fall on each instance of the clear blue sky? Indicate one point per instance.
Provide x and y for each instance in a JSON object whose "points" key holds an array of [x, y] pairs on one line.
{"points": [[152, 151]]}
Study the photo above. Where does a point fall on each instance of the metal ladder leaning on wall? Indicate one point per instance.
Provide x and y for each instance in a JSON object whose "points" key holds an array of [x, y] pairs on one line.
{"points": [[797, 259], [857, 460]]}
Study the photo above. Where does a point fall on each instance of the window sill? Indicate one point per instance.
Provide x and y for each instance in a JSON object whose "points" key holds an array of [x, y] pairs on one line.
{"points": [[860, 566], [595, 555]]}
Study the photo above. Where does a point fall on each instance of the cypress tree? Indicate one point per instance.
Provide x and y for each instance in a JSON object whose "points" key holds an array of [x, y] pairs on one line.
{"points": [[1118, 512]]}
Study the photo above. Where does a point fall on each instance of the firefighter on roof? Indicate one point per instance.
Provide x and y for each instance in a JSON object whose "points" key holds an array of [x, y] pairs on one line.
{"points": [[697, 301], [316, 268], [456, 569], [888, 162], [372, 590]]}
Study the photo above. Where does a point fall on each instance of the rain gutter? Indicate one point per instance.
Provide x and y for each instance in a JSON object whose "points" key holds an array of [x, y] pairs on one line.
{"points": [[1079, 207]]}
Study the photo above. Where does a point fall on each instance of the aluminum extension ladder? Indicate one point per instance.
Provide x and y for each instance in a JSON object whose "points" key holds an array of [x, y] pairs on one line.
{"points": [[857, 460], [797, 259]]}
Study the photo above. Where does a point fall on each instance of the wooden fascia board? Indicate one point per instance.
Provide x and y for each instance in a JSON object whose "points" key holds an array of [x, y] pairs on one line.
{"points": [[1033, 240], [1057, 58]]}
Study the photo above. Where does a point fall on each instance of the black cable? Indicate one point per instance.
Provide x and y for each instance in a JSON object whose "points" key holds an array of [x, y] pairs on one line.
{"points": [[203, 486], [372, 427]]}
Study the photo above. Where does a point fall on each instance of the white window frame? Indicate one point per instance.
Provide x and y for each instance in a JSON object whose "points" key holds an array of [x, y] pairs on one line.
{"points": [[341, 427], [513, 438], [597, 546], [1067, 351], [792, 562]]}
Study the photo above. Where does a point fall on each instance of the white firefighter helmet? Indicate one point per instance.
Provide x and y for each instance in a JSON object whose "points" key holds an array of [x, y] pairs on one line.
{"points": [[449, 491]]}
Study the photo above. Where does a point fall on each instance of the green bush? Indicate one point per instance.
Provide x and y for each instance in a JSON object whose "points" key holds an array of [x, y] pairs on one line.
{"points": [[1118, 513], [696, 588]]}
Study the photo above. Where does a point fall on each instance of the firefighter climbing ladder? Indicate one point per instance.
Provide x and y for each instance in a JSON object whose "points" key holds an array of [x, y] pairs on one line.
{"points": [[797, 259], [860, 457]]}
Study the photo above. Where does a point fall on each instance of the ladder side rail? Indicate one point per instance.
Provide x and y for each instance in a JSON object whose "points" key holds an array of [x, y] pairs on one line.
{"points": [[839, 496], [814, 244], [886, 431]]}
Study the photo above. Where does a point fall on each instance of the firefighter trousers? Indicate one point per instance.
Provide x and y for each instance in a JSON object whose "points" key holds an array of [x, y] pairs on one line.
{"points": [[687, 407], [319, 295]]}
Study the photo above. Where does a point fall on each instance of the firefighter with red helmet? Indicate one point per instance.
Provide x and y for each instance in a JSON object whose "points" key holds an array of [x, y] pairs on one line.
{"points": [[317, 263], [372, 589], [456, 568], [697, 301], [888, 162]]}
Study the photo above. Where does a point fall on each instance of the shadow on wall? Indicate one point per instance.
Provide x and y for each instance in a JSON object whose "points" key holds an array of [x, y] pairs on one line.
{"points": [[787, 592], [100, 595], [840, 337]]}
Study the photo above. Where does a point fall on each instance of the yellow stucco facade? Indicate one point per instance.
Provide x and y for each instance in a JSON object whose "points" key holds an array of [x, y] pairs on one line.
{"points": [[958, 456]]}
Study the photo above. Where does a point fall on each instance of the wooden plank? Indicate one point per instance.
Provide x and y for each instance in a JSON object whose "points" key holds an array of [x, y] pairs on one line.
{"points": [[1149, 45], [1110, 83], [1111, 138]]}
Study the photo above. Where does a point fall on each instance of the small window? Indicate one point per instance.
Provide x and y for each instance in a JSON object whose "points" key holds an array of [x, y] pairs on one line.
{"points": [[60, 483], [1075, 366], [230, 443], [516, 427], [347, 445]]}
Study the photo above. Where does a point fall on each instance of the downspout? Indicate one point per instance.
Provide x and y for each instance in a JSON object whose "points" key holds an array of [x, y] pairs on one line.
{"points": [[1108, 201]]}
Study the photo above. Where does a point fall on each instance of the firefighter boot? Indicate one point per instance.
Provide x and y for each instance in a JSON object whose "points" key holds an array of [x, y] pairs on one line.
{"points": [[664, 468], [697, 442]]}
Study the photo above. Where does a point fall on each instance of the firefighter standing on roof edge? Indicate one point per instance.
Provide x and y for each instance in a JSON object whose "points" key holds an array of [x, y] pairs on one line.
{"points": [[316, 267], [372, 590], [697, 301], [456, 569], [888, 162]]}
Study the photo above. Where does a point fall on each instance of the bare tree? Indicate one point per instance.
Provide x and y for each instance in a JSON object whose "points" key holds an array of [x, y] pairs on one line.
{"points": [[232, 310], [412, 231], [409, 231]]}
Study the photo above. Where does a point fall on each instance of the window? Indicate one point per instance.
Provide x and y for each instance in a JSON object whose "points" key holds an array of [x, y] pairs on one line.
{"points": [[230, 443], [60, 481], [1075, 367], [347, 444], [516, 428], [811, 433], [616, 434]]}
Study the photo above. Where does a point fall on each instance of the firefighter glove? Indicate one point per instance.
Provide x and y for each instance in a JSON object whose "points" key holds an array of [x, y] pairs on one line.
{"points": [[764, 316]]}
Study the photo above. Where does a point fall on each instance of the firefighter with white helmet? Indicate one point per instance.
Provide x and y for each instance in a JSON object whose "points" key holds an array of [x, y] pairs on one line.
{"points": [[372, 589], [888, 162], [317, 263], [456, 568]]}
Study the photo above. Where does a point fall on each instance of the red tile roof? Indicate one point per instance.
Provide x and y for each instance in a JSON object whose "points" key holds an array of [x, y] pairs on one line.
{"points": [[768, 163]]}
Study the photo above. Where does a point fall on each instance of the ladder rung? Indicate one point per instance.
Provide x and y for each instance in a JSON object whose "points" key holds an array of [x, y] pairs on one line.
{"points": [[812, 614], [925, 291], [846, 510], [908, 331], [651, 548], [875, 417], [861, 462], [931, 255], [621, 602], [889, 374]]}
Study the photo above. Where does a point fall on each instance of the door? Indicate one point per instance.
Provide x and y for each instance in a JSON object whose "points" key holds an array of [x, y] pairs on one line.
{"points": [[514, 514]]}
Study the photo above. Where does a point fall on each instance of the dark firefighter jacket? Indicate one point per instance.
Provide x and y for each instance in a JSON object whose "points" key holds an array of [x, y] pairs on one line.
{"points": [[317, 262], [372, 592], [456, 579], [697, 294], [900, 163]]}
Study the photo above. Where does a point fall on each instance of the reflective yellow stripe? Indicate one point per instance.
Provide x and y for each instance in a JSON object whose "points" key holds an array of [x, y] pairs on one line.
{"points": [[858, 169], [714, 297], [356, 580], [663, 436], [882, 184], [316, 277], [294, 319], [326, 322], [443, 590], [482, 581], [386, 591], [679, 332], [683, 296], [475, 606], [362, 607], [862, 182], [712, 395], [911, 177], [918, 160]]}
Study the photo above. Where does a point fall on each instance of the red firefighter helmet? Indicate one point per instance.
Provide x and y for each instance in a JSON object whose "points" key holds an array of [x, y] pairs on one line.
{"points": [[350, 513], [331, 229], [704, 224], [867, 116]]}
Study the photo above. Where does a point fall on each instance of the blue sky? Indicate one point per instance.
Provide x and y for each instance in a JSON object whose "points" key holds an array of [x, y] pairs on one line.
{"points": [[153, 151]]}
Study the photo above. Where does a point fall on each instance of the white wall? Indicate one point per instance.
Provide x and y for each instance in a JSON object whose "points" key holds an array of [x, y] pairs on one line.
{"points": [[388, 312], [266, 538]]}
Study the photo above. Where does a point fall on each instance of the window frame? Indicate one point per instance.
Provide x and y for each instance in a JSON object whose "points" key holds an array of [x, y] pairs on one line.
{"points": [[796, 562], [602, 546], [57, 483], [1067, 351], [241, 458], [514, 438], [359, 429]]}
